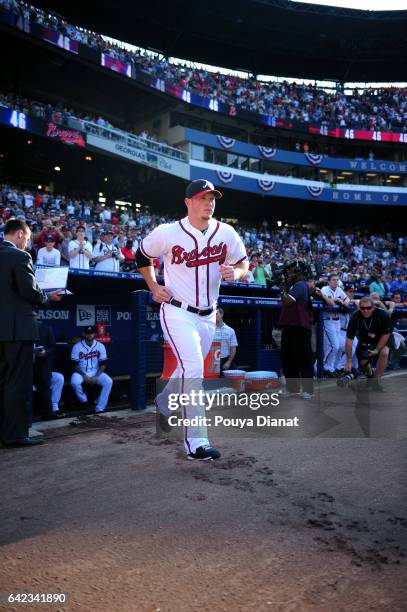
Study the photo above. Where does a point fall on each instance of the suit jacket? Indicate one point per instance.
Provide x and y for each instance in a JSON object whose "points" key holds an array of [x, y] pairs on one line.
{"points": [[20, 295]]}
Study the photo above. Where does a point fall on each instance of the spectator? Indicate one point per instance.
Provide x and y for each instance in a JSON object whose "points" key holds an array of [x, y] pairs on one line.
{"points": [[49, 255], [106, 255], [129, 264], [260, 275], [377, 286], [80, 250]]}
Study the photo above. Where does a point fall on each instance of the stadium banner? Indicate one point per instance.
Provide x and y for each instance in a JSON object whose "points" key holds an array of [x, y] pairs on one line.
{"points": [[49, 129], [131, 150], [291, 157], [59, 40], [296, 189], [114, 64]]}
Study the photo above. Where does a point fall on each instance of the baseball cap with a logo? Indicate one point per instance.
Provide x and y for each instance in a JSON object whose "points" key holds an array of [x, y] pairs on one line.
{"points": [[90, 330], [200, 187]]}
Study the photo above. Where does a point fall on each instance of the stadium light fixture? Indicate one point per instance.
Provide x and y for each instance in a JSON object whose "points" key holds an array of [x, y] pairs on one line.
{"points": [[279, 223], [102, 199], [88, 157], [105, 179], [371, 174], [100, 193], [345, 173], [394, 176], [39, 186], [57, 169], [29, 142]]}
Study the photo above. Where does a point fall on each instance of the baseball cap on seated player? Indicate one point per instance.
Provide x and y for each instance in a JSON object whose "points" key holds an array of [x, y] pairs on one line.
{"points": [[89, 330], [200, 187]]}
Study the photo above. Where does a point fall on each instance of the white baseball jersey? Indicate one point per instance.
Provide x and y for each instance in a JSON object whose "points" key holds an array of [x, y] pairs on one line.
{"points": [[48, 258], [108, 265], [80, 260], [192, 258], [334, 294], [89, 357]]}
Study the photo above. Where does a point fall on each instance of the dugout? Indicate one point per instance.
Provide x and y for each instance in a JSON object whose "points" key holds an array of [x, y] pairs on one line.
{"points": [[133, 335]]}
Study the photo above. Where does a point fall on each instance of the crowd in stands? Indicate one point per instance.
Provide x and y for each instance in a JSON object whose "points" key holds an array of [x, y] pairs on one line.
{"points": [[371, 262], [372, 109]]}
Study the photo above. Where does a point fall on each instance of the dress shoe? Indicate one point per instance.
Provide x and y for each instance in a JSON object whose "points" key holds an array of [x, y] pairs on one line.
{"points": [[24, 442]]}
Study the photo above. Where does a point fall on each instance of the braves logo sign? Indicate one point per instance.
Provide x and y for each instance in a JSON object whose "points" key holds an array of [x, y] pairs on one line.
{"points": [[194, 258], [67, 136]]}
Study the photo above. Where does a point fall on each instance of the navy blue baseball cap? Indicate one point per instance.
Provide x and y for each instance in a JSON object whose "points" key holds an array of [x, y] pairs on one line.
{"points": [[90, 330], [349, 286], [200, 187]]}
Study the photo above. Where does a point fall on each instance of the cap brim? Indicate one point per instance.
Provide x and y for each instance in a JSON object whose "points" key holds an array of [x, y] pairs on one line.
{"points": [[216, 193]]}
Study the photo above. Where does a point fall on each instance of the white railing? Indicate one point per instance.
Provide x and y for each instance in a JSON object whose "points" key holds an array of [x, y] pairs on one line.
{"points": [[135, 141]]}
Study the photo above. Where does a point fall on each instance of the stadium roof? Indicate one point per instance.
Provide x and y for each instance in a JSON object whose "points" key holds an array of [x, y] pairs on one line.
{"points": [[277, 37]]}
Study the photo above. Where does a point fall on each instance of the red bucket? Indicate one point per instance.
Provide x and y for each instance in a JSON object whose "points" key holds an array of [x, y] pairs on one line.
{"points": [[211, 362]]}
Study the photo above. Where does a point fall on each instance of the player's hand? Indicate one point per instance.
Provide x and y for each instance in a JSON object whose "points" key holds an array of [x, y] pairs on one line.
{"points": [[56, 296], [373, 353], [227, 272], [348, 365], [161, 294]]}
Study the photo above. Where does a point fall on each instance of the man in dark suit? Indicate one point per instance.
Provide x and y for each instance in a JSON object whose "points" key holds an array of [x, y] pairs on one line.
{"points": [[19, 298]]}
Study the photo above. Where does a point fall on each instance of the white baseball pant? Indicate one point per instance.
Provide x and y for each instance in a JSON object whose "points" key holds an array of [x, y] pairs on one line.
{"points": [[103, 381], [57, 384], [190, 337], [332, 344]]}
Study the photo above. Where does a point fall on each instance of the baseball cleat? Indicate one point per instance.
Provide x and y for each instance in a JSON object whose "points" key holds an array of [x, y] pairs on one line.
{"points": [[204, 453]]}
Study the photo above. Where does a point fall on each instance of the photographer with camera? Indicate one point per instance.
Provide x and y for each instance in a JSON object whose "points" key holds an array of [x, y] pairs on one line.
{"points": [[80, 250], [106, 255], [296, 320], [372, 327], [333, 295]]}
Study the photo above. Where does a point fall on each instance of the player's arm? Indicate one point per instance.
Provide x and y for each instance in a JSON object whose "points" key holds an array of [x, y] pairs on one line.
{"points": [[234, 272], [146, 269]]}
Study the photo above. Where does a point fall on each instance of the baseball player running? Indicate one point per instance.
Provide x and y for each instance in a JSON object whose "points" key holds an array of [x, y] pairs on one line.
{"points": [[198, 252], [89, 359]]}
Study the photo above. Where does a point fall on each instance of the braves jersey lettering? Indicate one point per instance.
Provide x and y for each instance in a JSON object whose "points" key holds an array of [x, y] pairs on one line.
{"points": [[192, 259], [89, 357], [210, 254]]}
